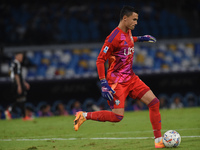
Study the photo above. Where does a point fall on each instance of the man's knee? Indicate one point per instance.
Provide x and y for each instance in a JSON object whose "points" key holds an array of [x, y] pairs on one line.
{"points": [[117, 118], [155, 103], [118, 114]]}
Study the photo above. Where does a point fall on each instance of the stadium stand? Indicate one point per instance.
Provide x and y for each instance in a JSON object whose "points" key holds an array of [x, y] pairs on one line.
{"points": [[66, 22], [62, 27], [148, 59]]}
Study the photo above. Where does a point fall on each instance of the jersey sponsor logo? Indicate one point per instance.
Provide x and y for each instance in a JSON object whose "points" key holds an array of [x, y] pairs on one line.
{"points": [[106, 49], [128, 51]]}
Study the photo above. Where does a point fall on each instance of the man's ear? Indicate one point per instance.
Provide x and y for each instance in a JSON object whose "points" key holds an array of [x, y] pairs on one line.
{"points": [[125, 17]]}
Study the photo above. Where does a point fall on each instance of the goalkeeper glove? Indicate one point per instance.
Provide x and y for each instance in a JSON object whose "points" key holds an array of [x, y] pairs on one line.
{"points": [[146, 38], [106, 91]]}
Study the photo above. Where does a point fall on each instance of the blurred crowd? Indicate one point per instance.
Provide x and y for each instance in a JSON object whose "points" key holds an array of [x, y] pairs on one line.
{"points": [[69, 63], [58, 22], [61, 108], [58, 108]]}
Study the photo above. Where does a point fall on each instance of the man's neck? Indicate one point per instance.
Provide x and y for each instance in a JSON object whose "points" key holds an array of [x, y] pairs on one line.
{"points": [[123, 27], [17, 60]]}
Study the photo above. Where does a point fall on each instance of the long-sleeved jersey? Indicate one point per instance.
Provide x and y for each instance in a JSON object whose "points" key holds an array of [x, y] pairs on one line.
{"points": [[118, 49]]}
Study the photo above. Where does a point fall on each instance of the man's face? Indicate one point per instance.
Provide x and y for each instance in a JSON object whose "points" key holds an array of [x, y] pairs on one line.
{"points": [[131, 21], [19, 57]]}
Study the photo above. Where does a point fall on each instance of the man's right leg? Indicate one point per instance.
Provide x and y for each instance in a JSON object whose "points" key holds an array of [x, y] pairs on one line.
{"points": [[102, 116], [155, 118]]}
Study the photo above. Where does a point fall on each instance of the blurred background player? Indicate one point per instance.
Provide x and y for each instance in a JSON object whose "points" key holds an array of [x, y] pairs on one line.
{"points": [[19, 88], [121, 81]]}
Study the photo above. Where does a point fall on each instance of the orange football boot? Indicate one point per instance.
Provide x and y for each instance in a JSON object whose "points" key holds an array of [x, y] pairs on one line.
{"points": [[79, 120], [159, 144]]}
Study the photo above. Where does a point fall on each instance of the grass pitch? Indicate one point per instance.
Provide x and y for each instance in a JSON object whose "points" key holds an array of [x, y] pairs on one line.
{"points": [[133, 132]]}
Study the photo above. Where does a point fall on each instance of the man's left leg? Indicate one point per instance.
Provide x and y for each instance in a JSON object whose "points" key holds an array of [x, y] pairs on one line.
{"points": [[116, 115], [101, 116]]}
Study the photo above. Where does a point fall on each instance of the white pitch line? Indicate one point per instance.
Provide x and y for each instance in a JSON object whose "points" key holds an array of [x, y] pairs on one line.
{"points": [[109, 138], [148, 131], [124, 132], [97, 138]]}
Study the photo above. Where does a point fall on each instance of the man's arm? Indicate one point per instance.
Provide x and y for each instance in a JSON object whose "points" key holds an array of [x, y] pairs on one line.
{"points": [[26, 85], [19, 86], [145, 38], [104, 54], [101, 67]]}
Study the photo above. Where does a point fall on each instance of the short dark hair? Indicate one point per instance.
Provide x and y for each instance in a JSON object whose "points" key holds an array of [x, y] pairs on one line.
{"points": [[20, 52], [127, 10]]}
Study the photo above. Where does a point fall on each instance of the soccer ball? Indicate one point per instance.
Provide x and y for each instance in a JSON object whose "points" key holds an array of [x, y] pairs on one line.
{"points": [[171, 138]]}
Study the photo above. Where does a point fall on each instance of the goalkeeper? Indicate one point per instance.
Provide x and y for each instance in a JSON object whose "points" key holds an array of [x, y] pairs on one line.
{"points": [[121, 81]]}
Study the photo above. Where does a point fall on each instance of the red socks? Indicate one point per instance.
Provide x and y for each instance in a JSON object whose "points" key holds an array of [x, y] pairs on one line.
{"points": [[155, 117], [103, 116]]}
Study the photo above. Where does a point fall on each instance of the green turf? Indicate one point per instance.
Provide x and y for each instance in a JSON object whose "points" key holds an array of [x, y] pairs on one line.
{"points": [[56, 133]]}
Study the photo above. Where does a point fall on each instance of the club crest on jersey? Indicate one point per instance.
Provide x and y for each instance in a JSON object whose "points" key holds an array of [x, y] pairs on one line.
{"points": [[129, 51], [106, 49], [117, 102]]}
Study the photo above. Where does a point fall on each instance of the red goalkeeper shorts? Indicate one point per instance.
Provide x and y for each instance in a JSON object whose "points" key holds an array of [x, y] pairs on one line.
{"points": [[135, 88]]}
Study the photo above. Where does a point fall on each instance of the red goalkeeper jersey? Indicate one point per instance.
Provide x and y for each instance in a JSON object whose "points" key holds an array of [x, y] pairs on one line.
{"points": [[118, 49]]}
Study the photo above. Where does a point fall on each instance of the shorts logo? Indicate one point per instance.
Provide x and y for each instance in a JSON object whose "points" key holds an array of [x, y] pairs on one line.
{"points": [[117, 102], [106, 49]]}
